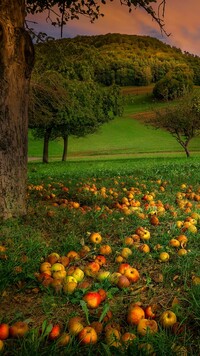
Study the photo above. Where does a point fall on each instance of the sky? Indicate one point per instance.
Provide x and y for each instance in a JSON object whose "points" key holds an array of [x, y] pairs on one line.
{"points": [[182, 21]]}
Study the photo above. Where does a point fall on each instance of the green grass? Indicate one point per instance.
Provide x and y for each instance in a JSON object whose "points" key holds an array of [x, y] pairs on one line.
{"points": [[29, 240], [121, 137]]}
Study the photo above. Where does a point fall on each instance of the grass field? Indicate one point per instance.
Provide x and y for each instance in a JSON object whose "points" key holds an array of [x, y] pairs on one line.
{"points": [[66, 203], [123, 136]]}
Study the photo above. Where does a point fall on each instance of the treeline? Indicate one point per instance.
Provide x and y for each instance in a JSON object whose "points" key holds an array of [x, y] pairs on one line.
{"points": [[125, 60]]}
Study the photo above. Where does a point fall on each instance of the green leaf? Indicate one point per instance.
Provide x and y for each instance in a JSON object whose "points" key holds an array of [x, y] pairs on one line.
{"points": [[104, 311], [85, 310]]}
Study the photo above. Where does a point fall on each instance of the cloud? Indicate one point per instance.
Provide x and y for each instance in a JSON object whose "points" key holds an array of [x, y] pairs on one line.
{"points": [[181, 20]]}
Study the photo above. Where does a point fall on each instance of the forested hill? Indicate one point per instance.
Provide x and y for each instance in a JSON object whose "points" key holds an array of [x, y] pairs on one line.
{"points": [[115, 58]]}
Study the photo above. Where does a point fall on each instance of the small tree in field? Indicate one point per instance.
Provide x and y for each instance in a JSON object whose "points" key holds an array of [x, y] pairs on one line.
{"points": [[182, 121]]}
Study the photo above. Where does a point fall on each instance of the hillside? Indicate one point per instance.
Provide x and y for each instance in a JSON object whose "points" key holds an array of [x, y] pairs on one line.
{"points": [[125, 60]]}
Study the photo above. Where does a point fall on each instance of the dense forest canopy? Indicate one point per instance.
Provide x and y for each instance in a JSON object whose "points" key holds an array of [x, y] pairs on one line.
{"points": [[114, 59]]}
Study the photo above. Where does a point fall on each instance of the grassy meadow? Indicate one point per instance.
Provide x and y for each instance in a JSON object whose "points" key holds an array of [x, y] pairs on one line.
{"points": [[69, 201], [126, 135], [134, 188]]}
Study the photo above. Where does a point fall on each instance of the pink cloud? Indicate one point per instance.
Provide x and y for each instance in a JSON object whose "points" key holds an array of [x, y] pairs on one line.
{"points": [[181, 19]]}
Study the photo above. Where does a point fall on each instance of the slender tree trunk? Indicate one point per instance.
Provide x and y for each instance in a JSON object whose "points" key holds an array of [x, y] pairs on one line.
{"points": [[16, 63], [46, 145], [187, 151], [65, 148]]}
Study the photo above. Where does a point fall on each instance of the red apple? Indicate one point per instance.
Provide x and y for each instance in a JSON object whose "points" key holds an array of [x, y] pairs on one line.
{"points": [[4, 331], [87, 335], [55, 332], [92, 299]]}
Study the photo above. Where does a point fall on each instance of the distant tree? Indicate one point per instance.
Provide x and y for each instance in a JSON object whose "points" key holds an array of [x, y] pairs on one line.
{"points": [[63, 108], [182, 120], [175, 84], [48, 101]]}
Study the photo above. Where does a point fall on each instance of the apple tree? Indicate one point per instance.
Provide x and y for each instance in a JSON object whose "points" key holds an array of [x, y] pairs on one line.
{"points": [[16, 63], [181, 120]]}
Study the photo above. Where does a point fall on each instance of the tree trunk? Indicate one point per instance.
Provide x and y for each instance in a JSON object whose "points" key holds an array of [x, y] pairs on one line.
{"points": [[46, 145], [16, 63], [187, 151], [65, 148]]}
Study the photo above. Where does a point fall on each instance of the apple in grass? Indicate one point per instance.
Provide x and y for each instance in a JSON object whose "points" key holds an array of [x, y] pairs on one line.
{"points": [[164, 257], [132, 274], [128, 337], [45, 266], [59, 274], [150, 312], [168, 319], [135, 314], [78, 274], [64, 339], [123, 267], [75, 325], [123, 282], [102, 275], [64, 260], [53, 258], [143, 233], [87, 335], [69, 285], [92, 299], [102, 294], [73, 255], [95, 238], [18, 329], [55, 332], [113, 337], [57, 267], [4, 331], [91, 269], [147, 326], [105, 249], [126, 252], [100, 259], [114, 277]]}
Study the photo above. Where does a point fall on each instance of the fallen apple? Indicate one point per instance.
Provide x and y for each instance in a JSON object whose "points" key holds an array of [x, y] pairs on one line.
{"points": [[87, 335], [168, 319]]}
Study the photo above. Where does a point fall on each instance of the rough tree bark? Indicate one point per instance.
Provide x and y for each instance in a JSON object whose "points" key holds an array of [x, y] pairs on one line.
{"points": [[16, 63]]}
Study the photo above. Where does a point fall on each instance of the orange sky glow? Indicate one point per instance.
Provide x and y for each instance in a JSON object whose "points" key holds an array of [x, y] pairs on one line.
{"points": [[181, 19]]}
